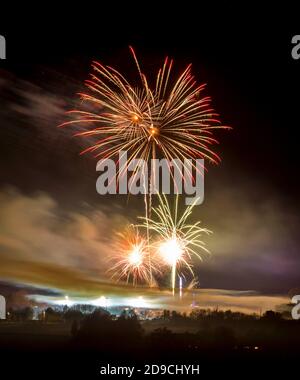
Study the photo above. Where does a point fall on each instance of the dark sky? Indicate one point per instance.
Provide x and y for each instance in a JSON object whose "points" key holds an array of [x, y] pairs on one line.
{"points": [[251, 198]]}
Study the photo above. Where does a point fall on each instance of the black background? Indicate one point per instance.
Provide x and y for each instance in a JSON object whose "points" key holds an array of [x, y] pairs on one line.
{"points": [[249, 47]]}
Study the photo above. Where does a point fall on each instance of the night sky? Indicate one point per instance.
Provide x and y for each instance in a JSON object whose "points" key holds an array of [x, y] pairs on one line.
{"points": [[55, 230]]}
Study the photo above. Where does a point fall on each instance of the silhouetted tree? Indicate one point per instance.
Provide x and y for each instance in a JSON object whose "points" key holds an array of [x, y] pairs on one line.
{"points": [[21, 315], [100, 331], [73, 315], [52, 315], [271, 315], [166, 314]]}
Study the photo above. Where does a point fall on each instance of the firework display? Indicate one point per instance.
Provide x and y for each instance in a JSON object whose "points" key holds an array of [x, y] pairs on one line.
{"points": [[171, 120], [144, 227], [174, 243], [130, 260]]}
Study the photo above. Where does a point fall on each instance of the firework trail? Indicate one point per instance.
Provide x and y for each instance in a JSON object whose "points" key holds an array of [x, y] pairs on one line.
{"points": [[177, 242]]}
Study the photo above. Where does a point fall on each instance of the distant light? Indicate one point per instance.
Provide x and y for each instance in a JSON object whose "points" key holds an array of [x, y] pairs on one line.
{"points": [[138, 302], [65, 302], [101, 302]]}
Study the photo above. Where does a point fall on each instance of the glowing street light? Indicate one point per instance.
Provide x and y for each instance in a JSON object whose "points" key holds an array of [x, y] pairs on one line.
{"points": [[101, 302]]}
